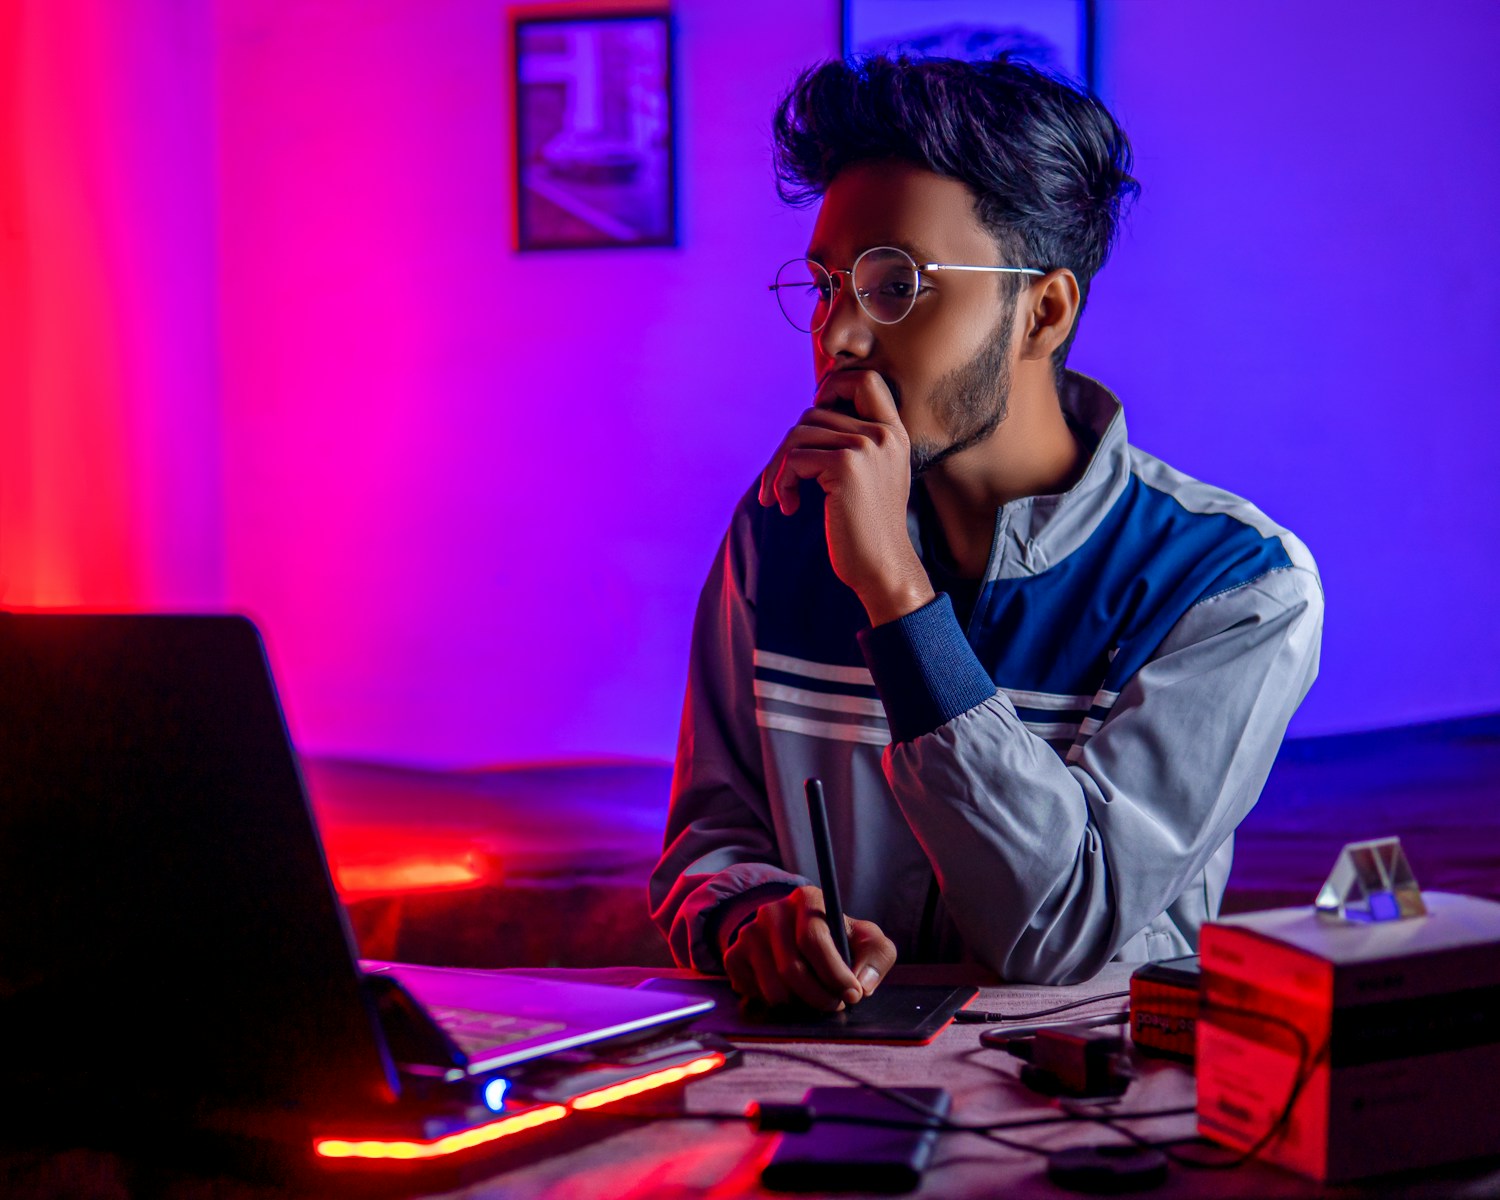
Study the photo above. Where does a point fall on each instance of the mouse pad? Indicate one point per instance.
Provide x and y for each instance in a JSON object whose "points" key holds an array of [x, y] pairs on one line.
{"points": [[897, 1012]]}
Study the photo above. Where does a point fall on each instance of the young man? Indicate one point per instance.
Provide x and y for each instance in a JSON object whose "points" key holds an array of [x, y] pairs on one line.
{"points": [[1041, 674]]}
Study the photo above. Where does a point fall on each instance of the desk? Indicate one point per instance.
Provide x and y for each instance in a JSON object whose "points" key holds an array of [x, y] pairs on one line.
{"points": [[679, 1160]]}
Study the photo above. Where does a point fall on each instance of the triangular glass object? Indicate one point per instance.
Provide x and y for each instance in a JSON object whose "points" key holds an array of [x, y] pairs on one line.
{"points": [[1371, 881]]}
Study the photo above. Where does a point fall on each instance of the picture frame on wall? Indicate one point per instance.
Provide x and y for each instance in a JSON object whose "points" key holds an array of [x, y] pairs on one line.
{"points": [[595, 161], [1056, 35]]}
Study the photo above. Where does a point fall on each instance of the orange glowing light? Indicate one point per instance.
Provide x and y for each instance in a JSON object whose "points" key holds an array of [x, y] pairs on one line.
{"points": [[408, 875], [657, 1079], [454, 1142]]}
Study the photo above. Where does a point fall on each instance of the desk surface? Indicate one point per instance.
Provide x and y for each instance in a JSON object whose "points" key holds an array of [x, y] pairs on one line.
{"points": [[679, 1159]]}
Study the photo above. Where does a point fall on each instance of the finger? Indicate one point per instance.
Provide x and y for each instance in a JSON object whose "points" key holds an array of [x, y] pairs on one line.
{"points": [[740, 973], [865, 393], [843, 419], [768, 984], [800, 978], [815, 941], [836, 392], [816, 427], [767, 494], [873, 953], [826, 459]]}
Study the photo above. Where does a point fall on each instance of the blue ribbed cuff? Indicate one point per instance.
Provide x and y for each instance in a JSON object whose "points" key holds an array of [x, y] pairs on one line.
{"points": [[925, 670]]}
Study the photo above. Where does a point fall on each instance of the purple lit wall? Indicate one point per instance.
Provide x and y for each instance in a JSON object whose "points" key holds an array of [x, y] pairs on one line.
{"points": [[109, 401], [265, 345], [1304, 310]]}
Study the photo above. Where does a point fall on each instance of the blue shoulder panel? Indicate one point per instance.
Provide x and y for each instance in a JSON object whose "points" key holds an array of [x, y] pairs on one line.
{"points": [[1088, 623], [1093, 620]]}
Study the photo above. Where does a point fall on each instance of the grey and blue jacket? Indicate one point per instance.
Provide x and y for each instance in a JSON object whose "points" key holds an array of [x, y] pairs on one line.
{"points": [[1052, 785]]}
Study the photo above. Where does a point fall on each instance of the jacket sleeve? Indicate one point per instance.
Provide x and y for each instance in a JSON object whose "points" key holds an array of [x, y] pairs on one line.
{"points": [[1048, 867], [719, 861]]}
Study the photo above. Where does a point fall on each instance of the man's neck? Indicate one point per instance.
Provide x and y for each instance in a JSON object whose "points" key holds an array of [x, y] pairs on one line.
{"points": [[1032, 453]]}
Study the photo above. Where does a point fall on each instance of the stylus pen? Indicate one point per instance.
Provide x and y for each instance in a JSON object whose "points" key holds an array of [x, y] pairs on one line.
{"points": [[828, 878]]}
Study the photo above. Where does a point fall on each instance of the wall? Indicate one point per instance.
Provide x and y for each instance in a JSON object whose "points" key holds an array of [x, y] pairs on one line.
{"points": [[1304, 310], [109, 404], [471, 494]]}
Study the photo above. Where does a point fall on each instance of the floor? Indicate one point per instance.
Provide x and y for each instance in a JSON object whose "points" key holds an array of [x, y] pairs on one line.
{"points": [[547, 865]]}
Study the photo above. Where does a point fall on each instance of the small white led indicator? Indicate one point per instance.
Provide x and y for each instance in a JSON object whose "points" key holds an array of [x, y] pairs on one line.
{"points": [[494, 1093]]}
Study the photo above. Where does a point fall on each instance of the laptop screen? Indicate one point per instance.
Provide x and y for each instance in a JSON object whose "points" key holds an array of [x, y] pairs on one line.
{"points": [[168, 929]]}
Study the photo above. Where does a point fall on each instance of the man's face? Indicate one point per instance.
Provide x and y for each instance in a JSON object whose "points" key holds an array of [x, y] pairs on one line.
{"points": [[947, 362]]}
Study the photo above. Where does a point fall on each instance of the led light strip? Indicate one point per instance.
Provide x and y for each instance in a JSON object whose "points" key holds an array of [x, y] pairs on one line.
{"points": [[505, 1126], [634, 1087], [454, 1142]]}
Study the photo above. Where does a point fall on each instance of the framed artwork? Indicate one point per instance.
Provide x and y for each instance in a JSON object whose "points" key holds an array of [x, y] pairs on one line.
{"points": [[594, 155], [1056, 35]]}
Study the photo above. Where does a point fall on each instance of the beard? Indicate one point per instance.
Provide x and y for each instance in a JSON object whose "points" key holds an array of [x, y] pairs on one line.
{"points": [[970, 401]]}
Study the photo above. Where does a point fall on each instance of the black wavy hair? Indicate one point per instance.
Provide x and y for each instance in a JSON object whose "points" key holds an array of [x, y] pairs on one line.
{"points": [[1047, 163]]}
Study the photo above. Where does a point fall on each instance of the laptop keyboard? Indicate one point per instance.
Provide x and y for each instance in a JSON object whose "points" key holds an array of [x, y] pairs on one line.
{"points": [[474, 1031]]}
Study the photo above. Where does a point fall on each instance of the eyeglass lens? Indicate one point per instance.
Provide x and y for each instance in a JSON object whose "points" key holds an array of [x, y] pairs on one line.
{"points": [[885, 283]]}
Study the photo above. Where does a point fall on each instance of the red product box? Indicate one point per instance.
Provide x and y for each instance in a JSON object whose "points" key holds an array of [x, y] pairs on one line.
{"points": [[1352, 1048], [1164, 1007]]}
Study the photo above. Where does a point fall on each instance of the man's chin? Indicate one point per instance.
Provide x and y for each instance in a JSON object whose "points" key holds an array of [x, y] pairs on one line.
{"points": [[926, 455]]}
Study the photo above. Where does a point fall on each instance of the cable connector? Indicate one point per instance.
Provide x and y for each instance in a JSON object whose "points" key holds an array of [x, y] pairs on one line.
{"points": [[1081, 1062]]}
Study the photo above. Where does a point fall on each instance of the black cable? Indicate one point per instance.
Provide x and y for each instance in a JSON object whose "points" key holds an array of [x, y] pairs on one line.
{"points": [[968, 1016], [989, 1130], [894, 1095], [942, 1124], [1307, 1063]]}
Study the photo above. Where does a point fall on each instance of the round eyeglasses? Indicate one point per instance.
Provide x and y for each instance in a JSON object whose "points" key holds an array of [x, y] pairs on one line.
{"points": [[886, 283]]}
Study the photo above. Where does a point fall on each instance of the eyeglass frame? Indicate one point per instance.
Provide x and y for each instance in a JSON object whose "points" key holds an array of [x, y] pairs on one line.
{"points": [[917, 267]]}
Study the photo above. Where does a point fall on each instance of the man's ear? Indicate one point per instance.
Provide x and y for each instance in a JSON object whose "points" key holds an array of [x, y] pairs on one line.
{"points": [[1048, 309]]}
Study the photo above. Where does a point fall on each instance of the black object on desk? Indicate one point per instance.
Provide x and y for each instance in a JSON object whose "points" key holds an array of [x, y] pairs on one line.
{"points": [[828, 878], [895, 1012], [837, 1156]]}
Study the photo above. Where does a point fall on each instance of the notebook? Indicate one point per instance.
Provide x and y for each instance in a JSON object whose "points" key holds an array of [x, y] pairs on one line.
{"points": [[171, 944]]}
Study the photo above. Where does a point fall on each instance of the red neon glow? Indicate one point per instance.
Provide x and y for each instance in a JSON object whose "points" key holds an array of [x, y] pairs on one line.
{"points": [[646, 1083], [494, 1130], [407, 875], [454, 1142], [388, 859]]}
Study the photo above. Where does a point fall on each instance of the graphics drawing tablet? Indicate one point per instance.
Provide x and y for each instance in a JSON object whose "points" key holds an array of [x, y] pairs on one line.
{"points": [[897, 1012]]}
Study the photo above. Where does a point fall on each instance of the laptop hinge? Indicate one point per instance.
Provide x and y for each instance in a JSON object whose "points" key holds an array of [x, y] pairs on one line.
{"points": [[416, 1042]]}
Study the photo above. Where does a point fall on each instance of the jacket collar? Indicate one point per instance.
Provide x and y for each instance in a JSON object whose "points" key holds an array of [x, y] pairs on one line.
{"points": [[1037, 532]]}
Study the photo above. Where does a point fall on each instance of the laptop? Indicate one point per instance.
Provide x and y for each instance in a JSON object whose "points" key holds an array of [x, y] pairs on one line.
{"points": [[172, 949]]}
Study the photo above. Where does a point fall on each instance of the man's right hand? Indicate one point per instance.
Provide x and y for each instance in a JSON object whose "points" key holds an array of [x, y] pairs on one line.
{"points": [[785, 954]]}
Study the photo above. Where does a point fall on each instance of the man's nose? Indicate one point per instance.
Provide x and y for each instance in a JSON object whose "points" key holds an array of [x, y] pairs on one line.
{"points": [[847, 332]]}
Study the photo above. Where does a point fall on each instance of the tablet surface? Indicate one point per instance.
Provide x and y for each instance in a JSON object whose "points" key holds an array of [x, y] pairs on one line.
{"points": [[897, 1012]]}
